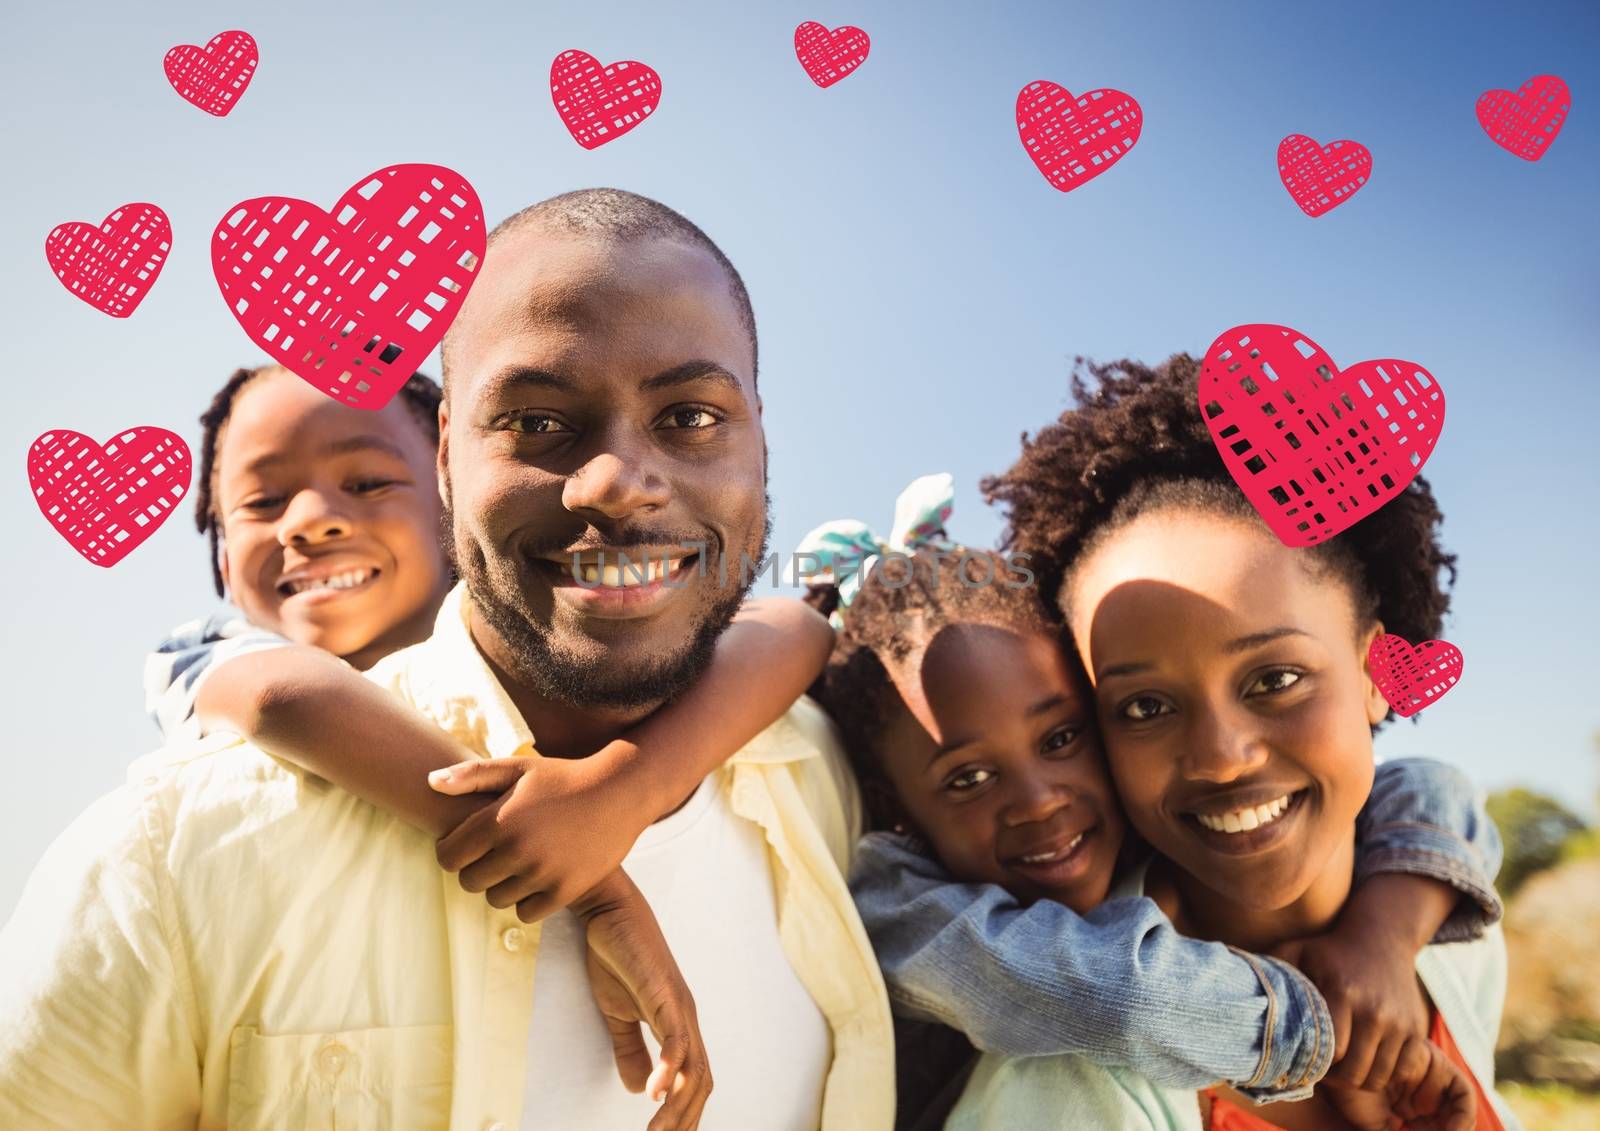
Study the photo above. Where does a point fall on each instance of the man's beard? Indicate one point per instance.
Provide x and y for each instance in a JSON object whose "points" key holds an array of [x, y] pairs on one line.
{"points": [[591, 678]]}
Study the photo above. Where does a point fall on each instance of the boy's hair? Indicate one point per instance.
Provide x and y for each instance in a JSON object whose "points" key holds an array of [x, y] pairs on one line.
{"points": [[421, 396], [1136, 443], [901, 606]]}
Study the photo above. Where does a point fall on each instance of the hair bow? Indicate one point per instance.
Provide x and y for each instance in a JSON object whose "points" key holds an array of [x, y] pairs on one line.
{"points": [[844, 550]]}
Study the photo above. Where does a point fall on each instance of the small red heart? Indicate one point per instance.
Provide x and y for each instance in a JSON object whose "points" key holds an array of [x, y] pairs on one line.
{"points": [[1315, 449], [1410, 679], [829, 56], [601, 103], [213, 77], [1322, 177], [107, 500], [1073, 139], [355, 300], [1525, 123], [112, 267]]}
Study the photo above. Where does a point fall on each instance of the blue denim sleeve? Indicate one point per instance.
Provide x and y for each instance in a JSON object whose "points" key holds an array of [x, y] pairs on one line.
{"points": [[1427, 818], [174, 671], [1120, 985]]}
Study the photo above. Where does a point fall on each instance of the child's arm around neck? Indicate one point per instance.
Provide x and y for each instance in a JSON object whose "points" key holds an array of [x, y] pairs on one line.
{"points": [[563, 823]]}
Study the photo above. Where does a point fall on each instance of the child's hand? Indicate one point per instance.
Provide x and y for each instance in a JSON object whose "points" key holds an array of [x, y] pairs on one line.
{"points": [[557, 829], [1369, 979], [634, 978], [1426, 1092]]}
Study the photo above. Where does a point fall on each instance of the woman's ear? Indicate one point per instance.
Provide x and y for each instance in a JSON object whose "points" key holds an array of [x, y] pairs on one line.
{"points": [[1377, 705]]}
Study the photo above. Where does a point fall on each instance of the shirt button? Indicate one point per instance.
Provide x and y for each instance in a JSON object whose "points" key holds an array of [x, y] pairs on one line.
{"points": [[512, 938], [494, 1125], [332, 1059]]}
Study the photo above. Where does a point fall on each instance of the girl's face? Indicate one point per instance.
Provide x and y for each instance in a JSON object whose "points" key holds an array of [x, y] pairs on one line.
{"points": [[995, 760], [330, 519], [1234, 699]]}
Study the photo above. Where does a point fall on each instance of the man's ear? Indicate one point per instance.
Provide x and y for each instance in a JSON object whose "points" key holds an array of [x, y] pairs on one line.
{"points": [[1377, 705], [442, 463]]}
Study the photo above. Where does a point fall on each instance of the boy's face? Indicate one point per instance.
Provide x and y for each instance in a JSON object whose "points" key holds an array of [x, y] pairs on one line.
{"points": [[602, 401], [1234, 699], [330, 519], [995, 759]]}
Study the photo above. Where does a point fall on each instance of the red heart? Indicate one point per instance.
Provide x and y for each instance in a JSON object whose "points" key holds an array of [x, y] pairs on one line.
{"points": [[600, 104], [1315, 449], [1074, 139], [213, 77], [1322, 177], [112, 267], [1408, 678], [370, 288], [829, 56], [107, 500], [1525, 123]]}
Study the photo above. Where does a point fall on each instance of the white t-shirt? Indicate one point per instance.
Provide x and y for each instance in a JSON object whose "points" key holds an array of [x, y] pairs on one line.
{"points": [[706, 874]]}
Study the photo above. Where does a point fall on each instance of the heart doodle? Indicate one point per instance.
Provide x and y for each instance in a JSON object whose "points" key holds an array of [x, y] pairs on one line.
{"points": [[213, 77], [1410, 679], [1074, 138], [601, 103], [353, 301], [829, 56], [1315, 448], [1525, 123], [106, 500], [112, 267], [1322, 177]]}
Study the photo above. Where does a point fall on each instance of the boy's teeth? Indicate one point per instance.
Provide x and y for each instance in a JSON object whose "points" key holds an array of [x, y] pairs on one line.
{"points": [[1243, 820], [347, 580], [1048, 857]]}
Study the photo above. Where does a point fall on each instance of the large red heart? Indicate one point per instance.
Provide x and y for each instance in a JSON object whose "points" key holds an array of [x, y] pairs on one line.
{"points": [[829, 56], [213, 77], [107, 500], [1074, 139], [353, 301], [1408, 678], [112, 267], [601, 103], [1322, 177], [1314, 448], [1525, 123]]}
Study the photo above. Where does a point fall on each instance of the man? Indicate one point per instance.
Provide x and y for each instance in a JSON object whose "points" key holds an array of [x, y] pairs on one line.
{"points": [[226, 941]]}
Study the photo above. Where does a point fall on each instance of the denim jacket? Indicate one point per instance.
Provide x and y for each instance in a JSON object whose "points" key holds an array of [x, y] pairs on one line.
{"points": [[1120, 986]]}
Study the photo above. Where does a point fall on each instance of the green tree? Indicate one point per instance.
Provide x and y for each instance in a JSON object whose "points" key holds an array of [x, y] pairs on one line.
{"points": [[1534, 828]]}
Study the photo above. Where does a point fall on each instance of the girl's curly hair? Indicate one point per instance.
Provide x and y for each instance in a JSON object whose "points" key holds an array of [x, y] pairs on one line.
{"points": [[902, 604], [1136, 442]]}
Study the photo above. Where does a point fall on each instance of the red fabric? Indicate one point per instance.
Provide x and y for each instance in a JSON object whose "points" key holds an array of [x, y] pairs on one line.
{"points": [[1226, 1116]]}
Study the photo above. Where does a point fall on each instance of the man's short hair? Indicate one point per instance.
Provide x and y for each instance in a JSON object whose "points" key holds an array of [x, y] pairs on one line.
{"points": [[620, 216]]}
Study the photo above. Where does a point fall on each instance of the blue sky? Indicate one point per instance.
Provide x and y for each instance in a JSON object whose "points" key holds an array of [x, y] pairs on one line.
{"points": [[920, 289]]}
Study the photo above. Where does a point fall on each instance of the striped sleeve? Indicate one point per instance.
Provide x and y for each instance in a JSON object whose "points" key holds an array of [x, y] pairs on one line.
{"points": [[174, 671]]}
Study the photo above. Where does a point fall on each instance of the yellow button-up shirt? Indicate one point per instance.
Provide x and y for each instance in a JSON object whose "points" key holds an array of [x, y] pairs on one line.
{"points": [[227, 941]]}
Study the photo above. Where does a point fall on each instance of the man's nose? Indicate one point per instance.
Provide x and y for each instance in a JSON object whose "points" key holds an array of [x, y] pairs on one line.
{"points": [[616, 482], [1223, 747], [312, 517]]}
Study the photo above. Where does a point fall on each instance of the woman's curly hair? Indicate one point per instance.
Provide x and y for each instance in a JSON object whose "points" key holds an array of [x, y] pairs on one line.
{"points": [[902, 604], [1136, 442]]}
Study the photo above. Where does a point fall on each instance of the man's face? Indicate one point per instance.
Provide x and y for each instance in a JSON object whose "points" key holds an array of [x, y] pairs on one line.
{"points": [[602, 401]]}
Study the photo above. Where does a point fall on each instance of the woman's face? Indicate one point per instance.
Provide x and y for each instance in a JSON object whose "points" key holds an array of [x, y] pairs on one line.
{"points": [[1233, 695], [994, 758]]}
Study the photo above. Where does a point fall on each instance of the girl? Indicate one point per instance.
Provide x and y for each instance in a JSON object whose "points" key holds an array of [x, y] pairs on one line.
{"points": [[324, 529], [974, 733], [1236, 708]]}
